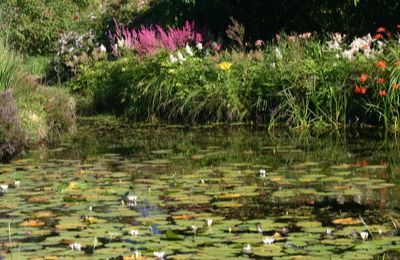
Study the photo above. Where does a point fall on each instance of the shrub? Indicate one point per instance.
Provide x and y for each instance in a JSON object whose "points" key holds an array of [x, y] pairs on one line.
{"points": [[12, 135]]}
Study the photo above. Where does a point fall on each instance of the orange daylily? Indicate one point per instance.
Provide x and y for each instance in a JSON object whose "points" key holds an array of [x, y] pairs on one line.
{"points": [[382, 93], [363, 77], [395, 86], [397, 63], [360, 90], [378, 36], [381, 64], [381, 30], [380, 80]]}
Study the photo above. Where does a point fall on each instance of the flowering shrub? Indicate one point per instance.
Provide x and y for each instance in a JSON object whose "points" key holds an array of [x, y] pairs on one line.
{"points": [[73, 50], [12, 136], [147, 40]]}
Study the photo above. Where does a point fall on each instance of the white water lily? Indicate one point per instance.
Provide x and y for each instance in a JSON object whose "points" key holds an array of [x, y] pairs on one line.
{"points": [[230, 229], [329, 231], [247, 248], [134, 232], [189, 50], [268, 240], [199, 46], [364, 235], [159, 255], [75, 246], [131, 198], [209, 222], [16, 184], [263, 172], [278, 53], [172, 58], [180, 57], [137, 254], [194, 229], [102, 48], [3, 188], [380, 232], [260, 229]]}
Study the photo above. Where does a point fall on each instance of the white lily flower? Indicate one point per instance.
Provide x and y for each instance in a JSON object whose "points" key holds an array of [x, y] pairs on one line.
{"points": [[172, 58], [268, 240], [159, 255], [278, 53], [180, 57], [120, 43], [364, 235], [247, 248], [189, 50], [134, 232]]}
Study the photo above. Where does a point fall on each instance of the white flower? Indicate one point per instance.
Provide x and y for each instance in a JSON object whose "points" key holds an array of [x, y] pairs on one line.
{"points": [[189, 50], [90, 208], [159, 255], [278, 53], [137, 254], [75, 246], [131, 198], [247, 248], [209, 222], [120, 43], [16, 184], [4, 187], [364, 235], [260, 229], [115, 47], [172, 58], [329, 231], [262, 173], [268, 240], [180, 57], [134, 232], [194, 229], [230, 229], [102, 48], [199, 46], [380, 232], [272, 65]]}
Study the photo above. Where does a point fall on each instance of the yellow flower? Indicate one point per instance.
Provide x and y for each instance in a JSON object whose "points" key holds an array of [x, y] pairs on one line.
{"points": [[225, 65]]}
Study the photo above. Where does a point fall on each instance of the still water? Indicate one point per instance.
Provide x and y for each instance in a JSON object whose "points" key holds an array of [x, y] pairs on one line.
{"points": [[124, 191]]}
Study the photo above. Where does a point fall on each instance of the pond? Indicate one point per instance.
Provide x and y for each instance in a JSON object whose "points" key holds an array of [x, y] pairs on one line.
{"points": [[122, 191]]}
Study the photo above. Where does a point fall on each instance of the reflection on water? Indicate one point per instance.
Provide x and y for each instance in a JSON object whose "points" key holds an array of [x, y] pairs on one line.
{"points": [[202, 193]]}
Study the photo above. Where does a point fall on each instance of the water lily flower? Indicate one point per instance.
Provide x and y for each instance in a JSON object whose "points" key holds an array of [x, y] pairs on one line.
{"points": [[230, 229], [268, 240], [259, 43], [134, 232], [247, 248], [364, 235], [194, 228], [263, 172], [75, 246], [199, 46], [131, 200], [329, 231], [159, 255], [380, 232], [102, 48], [3, 188], [172, 58], [180, 57], [209, 222], [189, 50], [137, 254], [260, 229], [16, 184]]}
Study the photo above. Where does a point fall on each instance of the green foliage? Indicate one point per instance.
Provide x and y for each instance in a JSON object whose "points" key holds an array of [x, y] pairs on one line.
{"points": [[10, 73], [33, 26]]}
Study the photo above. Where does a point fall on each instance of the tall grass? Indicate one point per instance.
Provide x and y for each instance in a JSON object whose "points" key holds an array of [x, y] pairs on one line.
{"points": [[10, 69]]}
